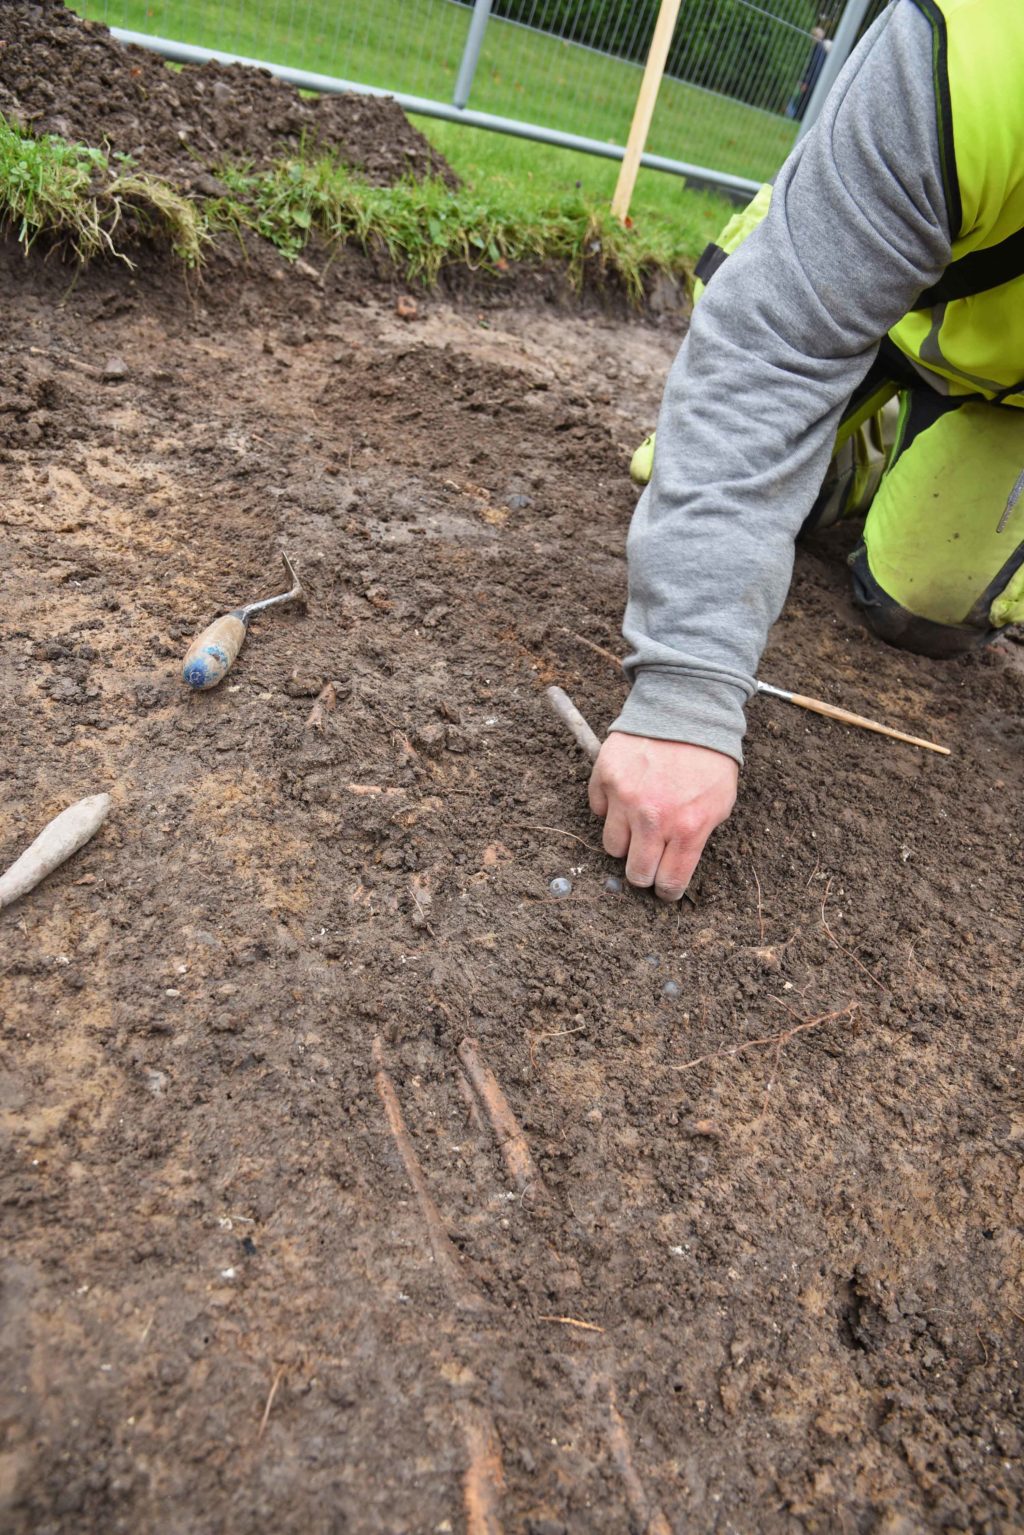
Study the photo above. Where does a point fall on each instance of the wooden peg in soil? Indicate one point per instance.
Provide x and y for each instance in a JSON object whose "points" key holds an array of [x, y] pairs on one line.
{"points": [[571, 717]]}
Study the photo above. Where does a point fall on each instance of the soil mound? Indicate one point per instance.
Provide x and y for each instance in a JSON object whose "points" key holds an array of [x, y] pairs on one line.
{"points": [[60, 74]]}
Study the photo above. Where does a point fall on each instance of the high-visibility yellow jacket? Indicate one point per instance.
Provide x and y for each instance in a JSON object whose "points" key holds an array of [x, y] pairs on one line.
{"points": [[969, 328], [967, 331]]}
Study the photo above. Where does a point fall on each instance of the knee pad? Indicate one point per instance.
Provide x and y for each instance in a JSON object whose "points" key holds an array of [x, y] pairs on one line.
{"points": [[897, 626]]}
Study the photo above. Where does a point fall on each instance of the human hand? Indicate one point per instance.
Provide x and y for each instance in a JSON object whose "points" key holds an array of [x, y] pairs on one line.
{"points": [[660, 801]]}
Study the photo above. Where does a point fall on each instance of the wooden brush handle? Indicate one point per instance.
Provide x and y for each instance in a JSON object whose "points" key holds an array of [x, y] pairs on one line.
{"points": [[211, 653], [817, 706]]}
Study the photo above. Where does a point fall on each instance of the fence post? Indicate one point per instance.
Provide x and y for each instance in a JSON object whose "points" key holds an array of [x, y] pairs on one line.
{"points": [[657, 58], [471, 52], [842, 47]]}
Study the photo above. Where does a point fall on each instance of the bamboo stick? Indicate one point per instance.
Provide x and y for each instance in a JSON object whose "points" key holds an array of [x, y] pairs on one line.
{"points": [[566, 710], [832, 712]]}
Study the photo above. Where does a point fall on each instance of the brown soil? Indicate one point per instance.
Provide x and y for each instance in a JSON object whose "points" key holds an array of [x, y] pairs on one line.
{"points": [[60, 74], [281, 1250]]}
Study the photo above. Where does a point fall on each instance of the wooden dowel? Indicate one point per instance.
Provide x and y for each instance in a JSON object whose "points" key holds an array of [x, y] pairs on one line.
{"points": [[817, 706], [568, 713], [645, 102]]}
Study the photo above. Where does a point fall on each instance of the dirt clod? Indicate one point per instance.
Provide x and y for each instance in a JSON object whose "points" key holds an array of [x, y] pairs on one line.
{"points": [[60, 74]]}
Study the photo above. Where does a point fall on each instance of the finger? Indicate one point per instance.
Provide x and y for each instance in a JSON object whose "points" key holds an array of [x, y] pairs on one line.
{"points": [[646, 848], [616, 832], [598, 795], [675, 870]]}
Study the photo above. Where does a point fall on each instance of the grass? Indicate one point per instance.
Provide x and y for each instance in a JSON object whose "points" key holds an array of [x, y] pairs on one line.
{"points": [[48, 186], [425, 225], [415, 46], [686, 217], [82, 195]]}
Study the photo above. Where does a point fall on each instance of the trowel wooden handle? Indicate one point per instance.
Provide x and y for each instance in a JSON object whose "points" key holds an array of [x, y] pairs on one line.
{"points": [[818, 706], [213, 652]]}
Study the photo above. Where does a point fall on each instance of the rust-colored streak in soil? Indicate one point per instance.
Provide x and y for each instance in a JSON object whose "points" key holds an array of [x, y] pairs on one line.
{"points": [[484, 1480], [511, 1140], [445, 1254], [471, 1102], [647, 1514]]}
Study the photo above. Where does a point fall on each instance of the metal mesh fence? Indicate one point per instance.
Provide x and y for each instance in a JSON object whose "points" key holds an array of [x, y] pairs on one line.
{"points": [[738, 76]]}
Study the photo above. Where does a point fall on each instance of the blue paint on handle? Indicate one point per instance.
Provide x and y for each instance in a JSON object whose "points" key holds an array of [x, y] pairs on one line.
{"points": [[207, 668]]}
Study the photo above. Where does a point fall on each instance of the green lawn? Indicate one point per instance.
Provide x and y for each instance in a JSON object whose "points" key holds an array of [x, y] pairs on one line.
{"points": [[662, 204], [415, 46]]}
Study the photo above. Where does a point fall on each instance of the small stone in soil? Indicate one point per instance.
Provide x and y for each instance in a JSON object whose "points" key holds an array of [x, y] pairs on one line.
{"points": [[613, 885], [115, 369], [561, 886], [671, 989], [298, 686]]}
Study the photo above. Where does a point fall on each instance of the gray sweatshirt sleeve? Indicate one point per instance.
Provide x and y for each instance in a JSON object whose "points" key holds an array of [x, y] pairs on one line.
{"points": [[787, 329]]}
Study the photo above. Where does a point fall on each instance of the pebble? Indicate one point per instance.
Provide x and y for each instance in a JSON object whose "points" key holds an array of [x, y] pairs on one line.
{"points": [[303, 686], [205, 184], [613, 885], [115, 370], [671, 989], [561, 886]]}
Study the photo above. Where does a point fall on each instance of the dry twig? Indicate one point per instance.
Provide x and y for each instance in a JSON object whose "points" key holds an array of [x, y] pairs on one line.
{"points": [[325, 703], [558, 832], [772, 1039], [760, 907], [572, 1321], [279, 1376], [598, 649]]}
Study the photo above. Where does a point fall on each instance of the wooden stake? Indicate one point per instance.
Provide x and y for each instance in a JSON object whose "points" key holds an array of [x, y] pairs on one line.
{"points": [[645, 102]]}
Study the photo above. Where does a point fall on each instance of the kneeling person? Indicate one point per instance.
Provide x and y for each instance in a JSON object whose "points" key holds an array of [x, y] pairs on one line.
{"points": [[886, 265]]}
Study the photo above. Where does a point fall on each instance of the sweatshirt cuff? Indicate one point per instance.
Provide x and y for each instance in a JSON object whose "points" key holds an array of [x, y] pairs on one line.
{"points": [[676, 706]]}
